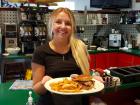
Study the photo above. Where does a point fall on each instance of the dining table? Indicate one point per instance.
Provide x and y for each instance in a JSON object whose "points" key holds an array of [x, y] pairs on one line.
{"points": [[14, 97]]}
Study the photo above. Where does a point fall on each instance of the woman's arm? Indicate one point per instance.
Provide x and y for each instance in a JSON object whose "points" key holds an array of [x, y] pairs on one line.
{"points": [[39, 78]]}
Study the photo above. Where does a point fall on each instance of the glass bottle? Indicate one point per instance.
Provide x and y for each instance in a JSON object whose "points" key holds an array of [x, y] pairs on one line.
{"points": [[30, 99]]}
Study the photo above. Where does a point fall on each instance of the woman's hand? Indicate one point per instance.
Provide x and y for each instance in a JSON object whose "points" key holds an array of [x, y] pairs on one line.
{"points": [[45, 79], [74, 75], [99, 78]]}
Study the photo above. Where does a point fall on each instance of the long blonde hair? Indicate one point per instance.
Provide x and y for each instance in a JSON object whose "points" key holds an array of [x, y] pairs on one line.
{"points": [[78, 48]]}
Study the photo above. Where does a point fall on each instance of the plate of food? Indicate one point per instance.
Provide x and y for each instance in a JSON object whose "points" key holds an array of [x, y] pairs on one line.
{"points": [[81, 84]]}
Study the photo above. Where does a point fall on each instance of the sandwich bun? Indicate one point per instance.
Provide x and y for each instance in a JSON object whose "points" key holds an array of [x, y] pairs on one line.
{"points": [[82, 78], [85, 82]]}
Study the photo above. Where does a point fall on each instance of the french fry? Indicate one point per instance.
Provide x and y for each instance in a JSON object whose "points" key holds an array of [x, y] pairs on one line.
{"points": [[71, 86], [65, 86]]}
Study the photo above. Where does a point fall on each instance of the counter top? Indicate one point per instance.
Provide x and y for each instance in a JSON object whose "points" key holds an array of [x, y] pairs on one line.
{"points": [[19, 97], [14, 97], [17, 56], [129, 51]]}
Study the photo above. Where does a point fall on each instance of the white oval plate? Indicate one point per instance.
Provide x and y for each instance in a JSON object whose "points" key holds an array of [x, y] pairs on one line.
{"points": [[98, 86]]}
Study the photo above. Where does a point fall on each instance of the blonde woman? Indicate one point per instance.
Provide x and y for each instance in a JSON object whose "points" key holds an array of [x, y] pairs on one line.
{"points": [[62, 56]]}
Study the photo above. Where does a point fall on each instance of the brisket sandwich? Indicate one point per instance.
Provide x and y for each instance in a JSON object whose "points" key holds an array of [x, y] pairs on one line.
{"points": [[86, 82]]}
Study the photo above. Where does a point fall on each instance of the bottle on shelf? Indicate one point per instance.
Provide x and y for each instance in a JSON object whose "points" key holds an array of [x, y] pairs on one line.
{"points": [[123, 18], [126, 43], [105, 19]]}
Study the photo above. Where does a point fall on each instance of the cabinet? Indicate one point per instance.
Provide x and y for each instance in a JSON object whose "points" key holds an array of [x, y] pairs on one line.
{"points": [[136, 60], [106, 60], [92, 61], [125, 59], [113, 59], [101, 60]]}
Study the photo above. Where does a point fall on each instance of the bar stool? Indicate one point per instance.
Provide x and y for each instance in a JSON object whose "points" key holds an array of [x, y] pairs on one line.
{"points": [[13, 71]]}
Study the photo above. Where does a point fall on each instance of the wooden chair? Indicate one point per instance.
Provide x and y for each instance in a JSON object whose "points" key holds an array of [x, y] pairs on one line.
{"points": [[13, 71]]}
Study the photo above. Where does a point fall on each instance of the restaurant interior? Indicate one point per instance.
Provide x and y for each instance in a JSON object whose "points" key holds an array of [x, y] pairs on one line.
{"points": [[110, 30]]}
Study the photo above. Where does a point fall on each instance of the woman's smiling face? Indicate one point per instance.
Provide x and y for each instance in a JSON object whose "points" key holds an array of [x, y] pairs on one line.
{"points": [[62, 27]]}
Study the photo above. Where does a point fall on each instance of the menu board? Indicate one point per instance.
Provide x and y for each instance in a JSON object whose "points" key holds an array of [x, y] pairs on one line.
{"points": [[21, 85]]}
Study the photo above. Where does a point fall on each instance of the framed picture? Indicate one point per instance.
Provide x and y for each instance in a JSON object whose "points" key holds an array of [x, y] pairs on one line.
{"points": [[0, 3], [6, 3], [137, 0]]}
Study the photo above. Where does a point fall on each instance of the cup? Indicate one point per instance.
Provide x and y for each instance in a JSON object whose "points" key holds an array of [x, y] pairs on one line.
{"points": [[113, 31], [129, 45], [94, 21]]}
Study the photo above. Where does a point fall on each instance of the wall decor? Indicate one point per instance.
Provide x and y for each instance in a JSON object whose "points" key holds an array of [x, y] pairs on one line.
{"points": [[137, 0]]}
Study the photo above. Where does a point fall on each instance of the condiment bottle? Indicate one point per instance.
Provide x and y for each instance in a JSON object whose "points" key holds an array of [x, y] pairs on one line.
{"points": [[30, 99]]}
